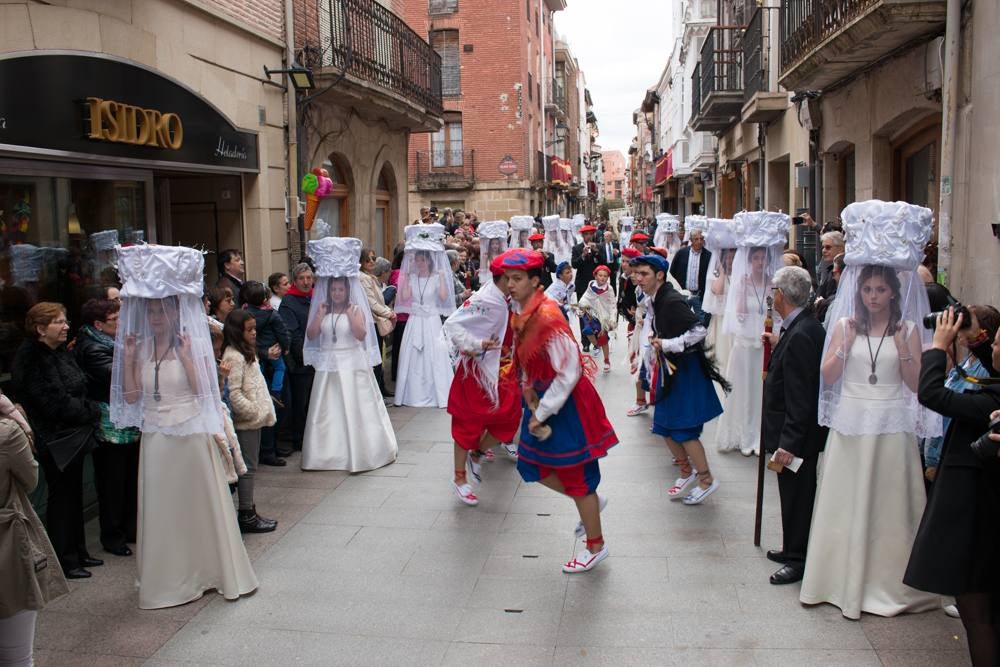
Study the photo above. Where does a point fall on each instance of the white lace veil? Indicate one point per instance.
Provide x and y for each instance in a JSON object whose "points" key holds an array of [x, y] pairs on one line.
{"points": [[163, 375], [884, 245], [566, 237], [337, 279], [492, 243], [760, 240], [667, 235], [521, 226], [426, 283], [553, 242], [626, 225], [721, 242]]}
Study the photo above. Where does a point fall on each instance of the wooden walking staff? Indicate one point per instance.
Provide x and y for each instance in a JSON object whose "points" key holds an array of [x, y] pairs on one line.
{"points": [[762, 452]]}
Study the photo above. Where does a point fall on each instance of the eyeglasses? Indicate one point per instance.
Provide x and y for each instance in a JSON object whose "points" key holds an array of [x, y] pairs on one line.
{"points": [[60, 323]]}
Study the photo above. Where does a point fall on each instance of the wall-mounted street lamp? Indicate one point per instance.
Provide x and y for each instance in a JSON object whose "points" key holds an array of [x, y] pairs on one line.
{"points": [[302, 77], [561, 128]]}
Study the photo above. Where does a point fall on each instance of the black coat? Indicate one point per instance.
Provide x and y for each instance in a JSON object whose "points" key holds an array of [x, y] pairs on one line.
{"points": [[584, 263], [957, 547], [791, 390], [52, 389], [236, 285], [94, 359], [294, 311], [627, 300], [549, 269], [679, 268], [271, 329]]}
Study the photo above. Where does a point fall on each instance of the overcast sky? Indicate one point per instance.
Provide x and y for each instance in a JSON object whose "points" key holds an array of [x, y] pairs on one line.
{"points": [[622, 47]]}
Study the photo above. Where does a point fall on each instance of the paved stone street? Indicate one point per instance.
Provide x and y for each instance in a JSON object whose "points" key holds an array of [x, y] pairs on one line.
{"points": [[388, 568]]}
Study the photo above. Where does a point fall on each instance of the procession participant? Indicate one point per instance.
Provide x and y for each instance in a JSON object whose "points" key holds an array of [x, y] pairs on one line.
{"points": [[553, 238], [600, 314], [492, 244], [579, 220], [626, 226], [585, 258], [484, 401], [426, 293], [871, 493], [562, 290], [668, 233], [521, 228], [164, 382], [760, 237], [537, 240], [567, 238], [348, 426], [681, 377], [630, 307], [559, 393], [690, 266], [640, 242], [791, 399], [720, 241]]}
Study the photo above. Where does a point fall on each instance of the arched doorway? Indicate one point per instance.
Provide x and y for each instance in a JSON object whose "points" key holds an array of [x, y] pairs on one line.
{"points": [[335, 208], [384, 220]]}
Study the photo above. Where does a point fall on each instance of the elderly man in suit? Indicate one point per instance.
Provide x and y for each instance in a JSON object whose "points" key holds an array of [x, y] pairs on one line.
{"points": [[610, 254], [690, 269], [790, 422]]}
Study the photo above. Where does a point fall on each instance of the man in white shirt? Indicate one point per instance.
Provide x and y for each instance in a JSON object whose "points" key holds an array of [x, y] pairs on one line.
{"points": [[690, 269]]}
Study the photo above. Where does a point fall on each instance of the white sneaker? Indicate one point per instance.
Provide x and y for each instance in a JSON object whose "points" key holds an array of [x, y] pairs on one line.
{"points": [[580, 531], [637, 409], [699, 495], [595, 352], [475, 469], [510, 449], [465, 493], [681, 485], [585, 561]]}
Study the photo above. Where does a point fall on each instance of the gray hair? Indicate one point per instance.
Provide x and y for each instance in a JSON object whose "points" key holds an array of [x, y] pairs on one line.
{"points": [[452, 255], [382, 265], [835, 238], [795, 283], [299, 269]]}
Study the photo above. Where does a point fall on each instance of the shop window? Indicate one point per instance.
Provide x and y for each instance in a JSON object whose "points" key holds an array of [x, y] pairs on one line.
{"points": [[445, 43], [446, 143], [334, 209], [916, 157], [443, 6]]}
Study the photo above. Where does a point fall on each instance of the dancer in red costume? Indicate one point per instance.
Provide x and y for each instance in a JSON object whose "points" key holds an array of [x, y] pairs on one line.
{"points": [[559, 394], [484, 401]]}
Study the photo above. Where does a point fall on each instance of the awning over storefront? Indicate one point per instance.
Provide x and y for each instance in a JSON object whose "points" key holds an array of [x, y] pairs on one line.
{"points": [[664, 168]]}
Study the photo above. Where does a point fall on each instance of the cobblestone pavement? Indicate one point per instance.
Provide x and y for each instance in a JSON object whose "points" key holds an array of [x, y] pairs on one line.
{"points": [[388, 568]]}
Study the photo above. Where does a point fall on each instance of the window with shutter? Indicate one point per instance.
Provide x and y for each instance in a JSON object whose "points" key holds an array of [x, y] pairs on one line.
{"points": [[445, 43]]}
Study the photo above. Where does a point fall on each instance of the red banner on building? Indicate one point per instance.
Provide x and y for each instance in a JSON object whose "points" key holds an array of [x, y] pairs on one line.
{"points": [[562, 171], [664, 168], [647, 193]]}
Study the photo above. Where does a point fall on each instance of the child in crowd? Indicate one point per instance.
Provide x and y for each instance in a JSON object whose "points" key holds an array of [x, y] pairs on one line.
{"points": [[600, 313], [562, 290]]}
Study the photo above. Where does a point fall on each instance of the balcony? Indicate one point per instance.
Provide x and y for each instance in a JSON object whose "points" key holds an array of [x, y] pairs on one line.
{"points": [[380, 66], [826, 41], [445, 170], [720, 88], [760, 105], [556, 103]]}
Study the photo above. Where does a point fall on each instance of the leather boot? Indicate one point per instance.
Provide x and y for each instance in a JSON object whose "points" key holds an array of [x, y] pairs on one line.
{"points": [[251, 522]]}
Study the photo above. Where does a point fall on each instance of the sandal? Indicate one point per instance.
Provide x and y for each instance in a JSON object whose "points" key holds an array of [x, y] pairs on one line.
{"points": [[637, 409], [700, 494]]}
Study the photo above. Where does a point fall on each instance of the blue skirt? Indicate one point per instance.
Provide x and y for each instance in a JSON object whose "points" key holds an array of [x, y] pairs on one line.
{"points": [[577, 436], [691, 400]]}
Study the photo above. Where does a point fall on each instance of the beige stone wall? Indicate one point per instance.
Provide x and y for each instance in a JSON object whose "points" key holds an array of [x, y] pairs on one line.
{"points": [[218, 57]]}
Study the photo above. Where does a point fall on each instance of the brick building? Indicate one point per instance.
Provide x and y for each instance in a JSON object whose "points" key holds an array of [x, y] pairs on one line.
{"points": [[509, 144], [615, 186]]}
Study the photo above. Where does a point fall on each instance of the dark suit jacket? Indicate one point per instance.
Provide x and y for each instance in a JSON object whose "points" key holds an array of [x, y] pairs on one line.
{"points": [[584, 266], [226, 280], [679, 268], [602, 254], [791, 391]]}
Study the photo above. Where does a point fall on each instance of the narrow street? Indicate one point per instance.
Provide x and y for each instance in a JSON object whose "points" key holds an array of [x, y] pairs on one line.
{"points": [[387, 568]]}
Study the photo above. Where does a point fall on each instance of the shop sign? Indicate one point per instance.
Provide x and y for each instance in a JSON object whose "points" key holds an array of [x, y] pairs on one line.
{"points": [[507, 166], [85, 106]]}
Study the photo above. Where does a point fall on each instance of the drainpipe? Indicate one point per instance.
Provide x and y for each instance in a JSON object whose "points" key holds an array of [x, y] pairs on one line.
{"points": [[292, 123], [949, 109], [543, 74]]}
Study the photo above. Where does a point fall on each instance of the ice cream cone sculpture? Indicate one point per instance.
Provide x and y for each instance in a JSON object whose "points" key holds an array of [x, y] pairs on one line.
{"points": [[316, 185]]}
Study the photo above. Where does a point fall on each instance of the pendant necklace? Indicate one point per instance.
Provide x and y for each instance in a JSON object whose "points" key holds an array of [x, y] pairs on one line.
{"points": [[156, 370], [422, 289], [873, 378], [760, 301], [336, 319]]}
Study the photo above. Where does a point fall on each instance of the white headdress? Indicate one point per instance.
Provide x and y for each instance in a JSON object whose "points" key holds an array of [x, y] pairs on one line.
{"points": [[426, 282], [626, 225], [871, 391], [694, 223], [164, 377], [522, 226], [553, 241], [338, 306], [579, 220], [760, 240], [667, 234], [492, 243], [721, 242]]}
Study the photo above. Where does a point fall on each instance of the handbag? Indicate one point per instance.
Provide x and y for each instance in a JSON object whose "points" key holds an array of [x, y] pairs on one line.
{"points": [[66, 445], [384, 326]]}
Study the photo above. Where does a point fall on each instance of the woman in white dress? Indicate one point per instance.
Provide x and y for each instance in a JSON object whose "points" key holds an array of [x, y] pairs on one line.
{"points": [[348, 427], [426, 294], [720, 241], [760, 237], [164, 383], [871, 492], [667, 234]]}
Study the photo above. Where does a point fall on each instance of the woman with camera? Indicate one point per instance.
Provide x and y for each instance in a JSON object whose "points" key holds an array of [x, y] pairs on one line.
{"points": [[957, 547]]}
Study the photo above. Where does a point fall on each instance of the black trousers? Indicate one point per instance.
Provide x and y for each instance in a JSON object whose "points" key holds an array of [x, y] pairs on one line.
{"points": [[116, 474], [302, 381], [797, 491], [397, 343], [64, 512]]}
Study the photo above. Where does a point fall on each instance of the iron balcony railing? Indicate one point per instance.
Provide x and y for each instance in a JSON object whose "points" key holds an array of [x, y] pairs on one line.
{"points": [[447, 168], [369, 42], [720, 61], [806, 23], [557, 98], [754, 61], [695, 92]]}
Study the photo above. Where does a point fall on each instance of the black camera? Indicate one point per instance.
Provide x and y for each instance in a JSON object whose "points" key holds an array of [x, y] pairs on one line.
{"points": [[985, 448], [930, 319]]}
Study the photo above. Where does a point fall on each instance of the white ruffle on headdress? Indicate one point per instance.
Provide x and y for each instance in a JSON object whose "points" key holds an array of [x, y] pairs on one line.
{"points": [[565, 224], [521, 223], [886, 233], [579, 220], [155, 271], [335, 257], [667, 222], [425, 237], [550, 223], [720, 234], [755, 229], [694, 223], [492, 229], [626, 222]]}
